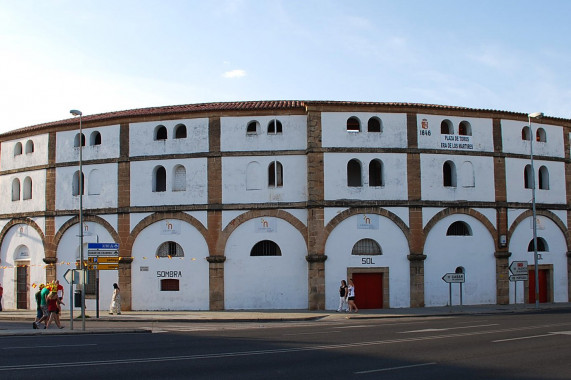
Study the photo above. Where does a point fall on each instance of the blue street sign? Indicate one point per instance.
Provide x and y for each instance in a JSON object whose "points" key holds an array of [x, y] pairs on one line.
{"points": [[109, 246]]}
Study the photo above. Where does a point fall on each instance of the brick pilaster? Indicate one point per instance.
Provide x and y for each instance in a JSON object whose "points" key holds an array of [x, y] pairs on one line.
{"points": [[123, 217]]}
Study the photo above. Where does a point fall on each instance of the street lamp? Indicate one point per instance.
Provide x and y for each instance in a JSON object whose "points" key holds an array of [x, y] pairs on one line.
{"points": [[535, 115], [80, 185]]}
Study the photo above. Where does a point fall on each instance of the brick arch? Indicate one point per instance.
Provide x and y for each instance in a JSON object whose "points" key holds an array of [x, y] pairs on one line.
{"points": [[28, 222], [86, 218], [546, 213], [157, 217], [243, 218], [465, 211], [356, 211]]}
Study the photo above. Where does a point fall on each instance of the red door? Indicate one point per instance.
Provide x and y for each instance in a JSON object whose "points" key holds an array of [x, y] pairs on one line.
{"points": [[368, 290], [542, 275]]}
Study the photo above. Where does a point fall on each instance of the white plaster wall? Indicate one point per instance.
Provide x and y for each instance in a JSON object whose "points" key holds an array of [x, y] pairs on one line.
{"points": [[21, 235], [556, 256], [294, 187], [25, 160], [193, 282], [233, 136], [516, 192], [334, 130], [265, 282], [490, 214], [142, 138], [107, 197], [512, 142], [482, 131], [432, 187], [428, 213], [142, 183], [330, 213], [201, 216], [394, 246], [394, 172], [109, 148], [445, 253], [36, 203]]}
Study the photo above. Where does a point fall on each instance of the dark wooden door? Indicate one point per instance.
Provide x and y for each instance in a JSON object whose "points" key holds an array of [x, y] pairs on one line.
{"points": [[368, 290], [542, 275], [22, 287]]}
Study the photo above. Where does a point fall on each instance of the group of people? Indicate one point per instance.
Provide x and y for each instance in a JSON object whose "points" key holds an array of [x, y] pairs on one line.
{"points": [[347, 297], [49, 299]]}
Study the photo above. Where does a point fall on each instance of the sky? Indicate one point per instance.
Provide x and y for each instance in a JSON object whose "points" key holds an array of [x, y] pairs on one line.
{"points": [[111, 55]]}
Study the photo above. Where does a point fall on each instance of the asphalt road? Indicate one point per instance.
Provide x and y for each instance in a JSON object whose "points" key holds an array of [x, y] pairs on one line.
{"points": [[499, 346]]}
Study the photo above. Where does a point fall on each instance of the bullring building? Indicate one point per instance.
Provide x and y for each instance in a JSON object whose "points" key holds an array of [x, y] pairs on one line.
{"points": [[269, 204]]}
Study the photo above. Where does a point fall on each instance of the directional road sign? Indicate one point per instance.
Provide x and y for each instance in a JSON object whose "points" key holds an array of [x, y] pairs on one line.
{"points": [[518, 277], [103, 259], [519, 268], [454, 277]]}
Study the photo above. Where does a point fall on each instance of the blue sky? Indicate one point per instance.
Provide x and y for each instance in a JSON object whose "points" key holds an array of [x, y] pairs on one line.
{"points": [[103, 56]]}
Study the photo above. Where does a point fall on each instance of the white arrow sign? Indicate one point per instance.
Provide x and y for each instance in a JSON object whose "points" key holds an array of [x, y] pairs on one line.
{"points": [[454, 277], [518, 268]]}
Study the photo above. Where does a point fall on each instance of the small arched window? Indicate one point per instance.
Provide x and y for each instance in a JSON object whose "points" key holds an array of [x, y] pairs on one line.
{"points": [[527, 177], [254, 176], [449, 174], [160, 133], [467, 176], [266, 248], [94, 183], [465, 129], [16, 189], [275, 174], [543, 178], [541, 245], [525, 135], [459, 229], [274, 127], [540, 135], [366, 247], [159, 179], [180, 131], [27, 191], [179, 178], [29, 146], [354, 178], [252, 128], [169, 249], [376, 173], [353, 124], [95, 138], [446, 127], [79, 140], [76, 185], [374, 125], [17, 149]]}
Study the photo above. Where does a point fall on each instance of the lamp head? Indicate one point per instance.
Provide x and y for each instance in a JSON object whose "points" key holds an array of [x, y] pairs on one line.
{"points": [[75, 112], [535, 115]]}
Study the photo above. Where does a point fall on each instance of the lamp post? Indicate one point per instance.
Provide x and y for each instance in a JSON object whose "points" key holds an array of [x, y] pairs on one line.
{"points": [[80, 192], [535, 115]]}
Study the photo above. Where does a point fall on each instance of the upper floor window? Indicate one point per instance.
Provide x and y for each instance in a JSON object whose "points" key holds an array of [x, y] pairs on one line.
{"points": [[254, 176], [366, 247], [27, 193], [169, 249], [275, 174], [266, 248], [543, 178], [374, 125], [525, 134], [179, 178], [79, 140], [449, 174], [465, 129], [29, 146], [540, 135], [446, 127], [180, 131], [376, 173], [541, 245], [467, 174], [159, 179], [160, 133], [77, 184], [353, 124], [354, 177], [94, 182], [527, 177], [95, 138], [252, 128], [274, 127], [17, 149], [16, 189], [459, 229]]}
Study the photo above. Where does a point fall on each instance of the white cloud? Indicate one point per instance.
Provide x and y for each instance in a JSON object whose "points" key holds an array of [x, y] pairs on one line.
{"points": [[234, 74]]}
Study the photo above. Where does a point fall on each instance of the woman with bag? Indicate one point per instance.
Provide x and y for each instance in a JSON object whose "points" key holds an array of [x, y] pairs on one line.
{"points": [[115, 306]]}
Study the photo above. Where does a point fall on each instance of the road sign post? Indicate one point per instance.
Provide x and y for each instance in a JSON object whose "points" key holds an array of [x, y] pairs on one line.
{"points": [[102, 256], [454, 278], [519, 273]]}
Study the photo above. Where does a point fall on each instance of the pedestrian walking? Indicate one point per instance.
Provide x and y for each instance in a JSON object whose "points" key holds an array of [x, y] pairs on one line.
{"points": [[39, 312], [53, 308], [343, 297], [351, 297], [1, 293], [115, 306]]}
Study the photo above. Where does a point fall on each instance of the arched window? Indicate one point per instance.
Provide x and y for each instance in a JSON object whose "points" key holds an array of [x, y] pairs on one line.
{"points": [[540, 135], [376, 173], [275, 174], [366, 247], [467, 176], [29, 146], [446, 127], [266, 248], [27, 191], [543, 178], [16, 189], [449, 174], [160, 133], [253, 176], [527, 177], [169, 249], [541, 245], [274, 127], [94, 183], [354, 178], [253, 128], [17, 149], [180, 131], [159, 179], [95, 138], [459, 229], [79, 140], [353, 124], [179, 178], [465, 129], [374, 125], [75, 186], [525, 135]]}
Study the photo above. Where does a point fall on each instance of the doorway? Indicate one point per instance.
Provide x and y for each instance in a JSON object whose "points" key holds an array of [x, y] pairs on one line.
{"points": [[22, 290], [542, 275], [368, 290]]}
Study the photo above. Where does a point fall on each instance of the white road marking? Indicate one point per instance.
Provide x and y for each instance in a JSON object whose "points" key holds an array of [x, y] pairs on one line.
{"points": [[394, 368], [448, 328], [53, 346], [533, 336]]}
